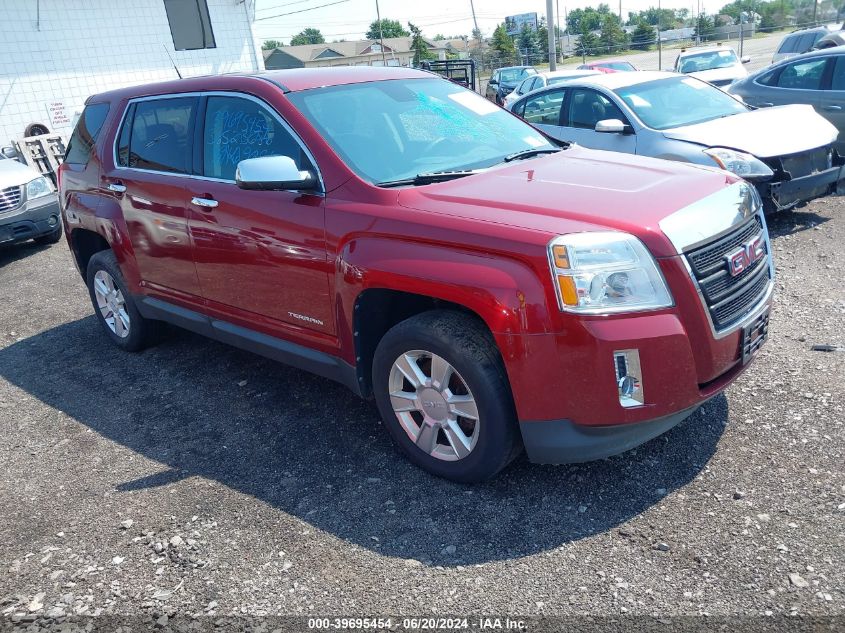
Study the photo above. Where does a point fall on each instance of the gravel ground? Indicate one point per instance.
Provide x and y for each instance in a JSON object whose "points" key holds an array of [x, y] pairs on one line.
{"points": [[199, 480]]}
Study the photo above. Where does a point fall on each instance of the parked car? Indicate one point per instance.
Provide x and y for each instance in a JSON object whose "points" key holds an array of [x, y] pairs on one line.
{"points": [[800, 41], [504, 80], [29, 208], [718, 65], [816, 79], [488, 287], [541, 80], [831, 40], [671, 116], [609, 66]]}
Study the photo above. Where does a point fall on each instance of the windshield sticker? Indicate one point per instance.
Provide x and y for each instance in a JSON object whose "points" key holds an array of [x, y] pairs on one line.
{"points": [[472, 101], [694, 83], [725, 53]]}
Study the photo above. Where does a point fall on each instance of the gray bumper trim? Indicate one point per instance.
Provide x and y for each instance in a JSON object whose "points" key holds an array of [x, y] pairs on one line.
{"points": [[564, 442]]}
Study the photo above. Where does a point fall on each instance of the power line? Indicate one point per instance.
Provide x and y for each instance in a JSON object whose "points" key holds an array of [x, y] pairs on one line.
{"points": [[270, 17]]}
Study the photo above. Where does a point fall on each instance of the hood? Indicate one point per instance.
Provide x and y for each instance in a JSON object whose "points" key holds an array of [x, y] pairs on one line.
{"points": [[737, 71], [13, 173], [575, 190], [798, 128]]}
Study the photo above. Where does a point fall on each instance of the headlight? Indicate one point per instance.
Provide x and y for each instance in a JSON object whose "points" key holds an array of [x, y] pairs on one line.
{"points": [[740, 163], [38, 188], [604, 273]]}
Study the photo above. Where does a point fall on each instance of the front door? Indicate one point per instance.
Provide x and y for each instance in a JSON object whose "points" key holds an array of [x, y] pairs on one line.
{"points": [[260, 252], [584, 108], [153, 157]]}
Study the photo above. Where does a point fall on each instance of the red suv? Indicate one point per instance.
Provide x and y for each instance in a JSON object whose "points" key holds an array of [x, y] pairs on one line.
{"points": [[490, 288]]}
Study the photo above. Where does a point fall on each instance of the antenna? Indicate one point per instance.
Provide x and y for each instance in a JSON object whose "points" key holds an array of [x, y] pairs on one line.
{"points": [[178, 74]]}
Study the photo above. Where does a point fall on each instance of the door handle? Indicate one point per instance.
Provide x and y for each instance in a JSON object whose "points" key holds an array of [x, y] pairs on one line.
{"points": [[116, 187], [832, 108], [207, 203]]}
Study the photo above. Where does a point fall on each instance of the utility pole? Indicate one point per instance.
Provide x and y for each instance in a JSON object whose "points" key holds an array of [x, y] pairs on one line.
{"points": [[381, 35], [474, 20], [659, 43], [815, 6], [557, 27], [550, 29]]}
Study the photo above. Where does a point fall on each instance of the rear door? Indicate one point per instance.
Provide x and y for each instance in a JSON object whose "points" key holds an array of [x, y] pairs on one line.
{"points": [[257, 252], [832, 101], [584, 108], [147, 178], [543, 110]]}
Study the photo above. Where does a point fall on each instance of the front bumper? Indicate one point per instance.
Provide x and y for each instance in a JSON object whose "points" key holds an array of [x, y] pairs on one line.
{"points": [[564, 442], [34, 219], [785, 192]]}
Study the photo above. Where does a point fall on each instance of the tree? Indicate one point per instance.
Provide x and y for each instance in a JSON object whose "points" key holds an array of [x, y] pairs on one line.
{"points": [[418, 45], [643, 36], [308, 36], [269, 45], [705, 27], [529, 46], [613, 37], [502, 44], [588, 44], [589, 19], [389, 28]]}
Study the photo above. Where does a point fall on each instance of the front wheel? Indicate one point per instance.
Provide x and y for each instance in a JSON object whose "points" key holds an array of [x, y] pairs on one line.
{"points": [[442, 391]]}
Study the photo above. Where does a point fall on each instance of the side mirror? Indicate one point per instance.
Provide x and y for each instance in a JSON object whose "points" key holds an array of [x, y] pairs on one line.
{"points": [[493, 82], [610, 126], [9, 152], [273, 173], [745, 59]]}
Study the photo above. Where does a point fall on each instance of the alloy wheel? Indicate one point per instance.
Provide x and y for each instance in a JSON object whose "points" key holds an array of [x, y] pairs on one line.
{"points": [[434, 405], [111, 304]]}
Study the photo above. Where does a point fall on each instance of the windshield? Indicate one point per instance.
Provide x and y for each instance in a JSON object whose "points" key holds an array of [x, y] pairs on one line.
{"points": [[512, 75], [677, 101], [623, 66], [390, 130], [707, 61]]}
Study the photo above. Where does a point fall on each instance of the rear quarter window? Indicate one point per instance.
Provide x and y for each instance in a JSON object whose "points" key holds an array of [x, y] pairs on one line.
{"points": [[788, 44], [85, 134]]}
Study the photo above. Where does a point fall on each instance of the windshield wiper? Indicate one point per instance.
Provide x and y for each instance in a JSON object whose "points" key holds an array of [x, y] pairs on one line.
{"points": [[528, 153], [429, 177]]}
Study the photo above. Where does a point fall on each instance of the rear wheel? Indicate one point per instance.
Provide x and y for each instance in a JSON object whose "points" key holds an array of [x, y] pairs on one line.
{"points": [[442, 391], [115, 307]]}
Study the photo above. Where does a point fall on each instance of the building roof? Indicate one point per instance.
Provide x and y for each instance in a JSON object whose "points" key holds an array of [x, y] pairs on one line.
{"points": [[311, 52]]}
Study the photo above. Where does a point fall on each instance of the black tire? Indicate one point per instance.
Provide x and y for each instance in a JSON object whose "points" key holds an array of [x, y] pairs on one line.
{"points": [[50, 238], [467, 345], [142, 332]]}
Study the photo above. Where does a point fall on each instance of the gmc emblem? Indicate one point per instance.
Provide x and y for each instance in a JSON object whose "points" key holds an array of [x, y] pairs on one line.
{"points": [[746, 255]]}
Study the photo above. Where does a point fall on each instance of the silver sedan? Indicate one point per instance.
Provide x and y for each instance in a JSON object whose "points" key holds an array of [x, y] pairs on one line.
{"points": [[786, 152]]}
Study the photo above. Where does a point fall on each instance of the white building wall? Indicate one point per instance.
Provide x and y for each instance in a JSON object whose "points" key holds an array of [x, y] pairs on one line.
{"points": [[81, 47]]}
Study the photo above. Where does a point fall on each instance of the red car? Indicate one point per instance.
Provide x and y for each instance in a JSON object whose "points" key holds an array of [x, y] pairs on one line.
{"points": [[490, 288], [609, 67]]}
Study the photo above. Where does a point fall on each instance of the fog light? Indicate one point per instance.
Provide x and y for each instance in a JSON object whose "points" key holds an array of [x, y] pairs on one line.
{"points": [[52, 220], [629, 377]]}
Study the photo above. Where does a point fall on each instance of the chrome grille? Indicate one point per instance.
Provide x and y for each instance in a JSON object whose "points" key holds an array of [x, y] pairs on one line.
{"points": [[10, 198], [729, 298]]}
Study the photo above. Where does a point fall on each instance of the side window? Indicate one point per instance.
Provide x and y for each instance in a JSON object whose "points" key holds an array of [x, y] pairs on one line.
{"points": [[789, 43], [123, 139], [160, 135], [544, 108], [838, 82], [588, 107], [237, 129], [805, 43], [768, 79], [190, 24], [85, 134], [803, 75]]}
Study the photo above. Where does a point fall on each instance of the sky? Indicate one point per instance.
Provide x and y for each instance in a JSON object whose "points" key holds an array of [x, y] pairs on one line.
{"points": [[349, 19]]}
